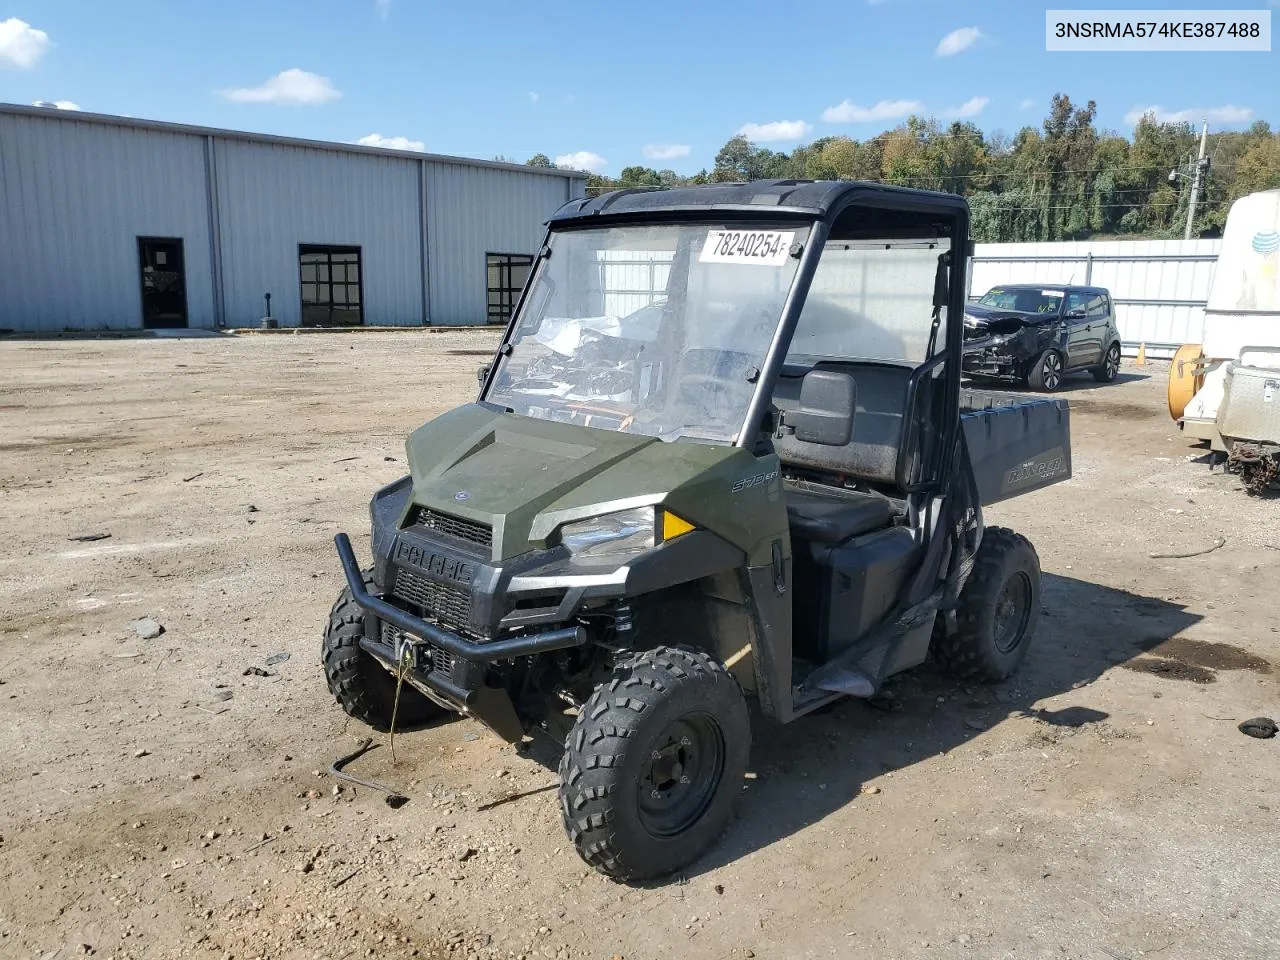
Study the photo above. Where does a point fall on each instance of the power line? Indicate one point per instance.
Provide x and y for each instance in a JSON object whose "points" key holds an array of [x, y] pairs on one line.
{"points": [[1002, 176], [1103, 206], [1002, 181]]}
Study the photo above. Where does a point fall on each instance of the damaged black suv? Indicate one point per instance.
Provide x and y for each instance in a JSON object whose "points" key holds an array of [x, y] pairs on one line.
{"points": [[1038, 333]]}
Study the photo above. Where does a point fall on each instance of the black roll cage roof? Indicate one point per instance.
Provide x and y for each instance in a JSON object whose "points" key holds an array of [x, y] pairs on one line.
{"points": [[821, 203], [764, 199]]}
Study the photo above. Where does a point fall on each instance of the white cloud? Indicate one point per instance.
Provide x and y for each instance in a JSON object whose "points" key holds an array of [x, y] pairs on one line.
{"points": [[970, 108], [534, 97], [849, 112], [57, 104], [21, 44], [582, 160], [383, 7], [1026, 104], [665, 151], [1226, 114], [957, 41], [292, 88], [777, 130], [392, 143]]}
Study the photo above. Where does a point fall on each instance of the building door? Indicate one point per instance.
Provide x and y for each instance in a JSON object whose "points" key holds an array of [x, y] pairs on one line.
{"points": [[508, 273], [164, 282], [331, 286]]}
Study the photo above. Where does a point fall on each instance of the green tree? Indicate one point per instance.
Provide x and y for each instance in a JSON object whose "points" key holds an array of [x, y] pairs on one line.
{"points": [[1062, 178], [639, 177], [1259, 167], [539, 160], [735, 160]]}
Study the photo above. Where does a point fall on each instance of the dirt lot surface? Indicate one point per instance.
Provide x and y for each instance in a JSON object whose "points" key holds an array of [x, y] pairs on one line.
{"points": [[160, 802]]}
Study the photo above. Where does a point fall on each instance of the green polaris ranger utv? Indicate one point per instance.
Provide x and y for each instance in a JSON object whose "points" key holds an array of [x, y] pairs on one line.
{"points": [[722, 452]]}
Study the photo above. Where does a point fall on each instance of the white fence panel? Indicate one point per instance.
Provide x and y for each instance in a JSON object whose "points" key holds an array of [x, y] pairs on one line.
{"points": [[1160, 287]]}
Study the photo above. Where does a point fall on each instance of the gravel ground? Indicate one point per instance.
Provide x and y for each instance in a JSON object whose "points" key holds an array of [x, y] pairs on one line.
{"points": [[162, 802]]}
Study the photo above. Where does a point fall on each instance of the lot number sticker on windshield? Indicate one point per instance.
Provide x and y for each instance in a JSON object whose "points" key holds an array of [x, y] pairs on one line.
{"points": [[768, 248]]}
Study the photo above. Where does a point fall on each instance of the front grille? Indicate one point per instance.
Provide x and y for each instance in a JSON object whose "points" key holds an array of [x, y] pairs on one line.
{"points": [[448, 604], [431, 523], [439, 660]]}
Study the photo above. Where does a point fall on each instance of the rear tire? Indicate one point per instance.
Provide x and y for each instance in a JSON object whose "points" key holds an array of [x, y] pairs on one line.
{"points": [[361, 686], [654, 763], [998, 610], [1046, 372], [1110, 365]]}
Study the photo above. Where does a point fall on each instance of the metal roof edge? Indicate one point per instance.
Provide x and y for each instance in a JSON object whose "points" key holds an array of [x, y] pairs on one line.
{"points": [[337, 146]]}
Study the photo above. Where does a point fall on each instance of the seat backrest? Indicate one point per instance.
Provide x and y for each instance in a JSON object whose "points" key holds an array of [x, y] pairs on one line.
{"points": [[872, 451]]}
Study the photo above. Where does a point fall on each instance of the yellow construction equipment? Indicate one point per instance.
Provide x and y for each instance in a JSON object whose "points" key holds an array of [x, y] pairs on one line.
{"points": [[1186, 377]]}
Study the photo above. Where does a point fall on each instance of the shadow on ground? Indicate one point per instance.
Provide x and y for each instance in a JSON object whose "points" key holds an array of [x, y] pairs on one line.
{"points": [[1085, 629]]}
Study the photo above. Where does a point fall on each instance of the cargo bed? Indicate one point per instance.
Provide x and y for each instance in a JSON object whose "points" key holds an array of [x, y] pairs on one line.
{"points": [[1016, 443]]}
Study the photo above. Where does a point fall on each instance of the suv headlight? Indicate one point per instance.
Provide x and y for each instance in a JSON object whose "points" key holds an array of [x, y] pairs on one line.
{"points": [[625, 532]]}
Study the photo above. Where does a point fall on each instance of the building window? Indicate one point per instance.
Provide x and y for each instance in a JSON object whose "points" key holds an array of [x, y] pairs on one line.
{"points": [[331, 287], [507, 275]]}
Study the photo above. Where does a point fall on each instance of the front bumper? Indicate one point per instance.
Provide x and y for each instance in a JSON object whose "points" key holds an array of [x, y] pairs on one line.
{"points": [[459, 646], [994, 357]]}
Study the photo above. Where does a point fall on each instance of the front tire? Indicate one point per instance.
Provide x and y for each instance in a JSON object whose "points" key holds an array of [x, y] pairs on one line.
{"points": [[1110, 365], [361, 686], [998, 610], [1046, 372], [654, 763]]}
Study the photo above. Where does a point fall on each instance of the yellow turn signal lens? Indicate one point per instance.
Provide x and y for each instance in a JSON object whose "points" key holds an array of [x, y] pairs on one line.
{"points": [[673, 526]]}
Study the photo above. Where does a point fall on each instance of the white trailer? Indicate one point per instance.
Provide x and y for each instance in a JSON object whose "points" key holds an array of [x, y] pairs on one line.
{"points": [[1227, 390]]}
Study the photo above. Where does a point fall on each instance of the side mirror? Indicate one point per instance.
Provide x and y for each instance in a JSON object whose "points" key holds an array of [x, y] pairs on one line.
{"points": [[825, 414], [483, 373], [1074, 315]]}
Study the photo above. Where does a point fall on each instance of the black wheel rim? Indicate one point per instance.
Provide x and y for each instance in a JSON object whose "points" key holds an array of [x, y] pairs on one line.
{"points": [[1113, 362], [1052, 371], [1013, 611], [680, 775]]}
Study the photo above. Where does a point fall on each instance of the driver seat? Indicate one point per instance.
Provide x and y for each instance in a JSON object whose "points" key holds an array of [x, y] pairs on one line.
{"points": [[832, 515]]}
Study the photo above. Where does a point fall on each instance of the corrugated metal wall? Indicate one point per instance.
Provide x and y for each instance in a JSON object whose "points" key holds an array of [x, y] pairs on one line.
{"points": [[74, 198], [1160, 287], [472, 211], [274, 197], [76, 192]]}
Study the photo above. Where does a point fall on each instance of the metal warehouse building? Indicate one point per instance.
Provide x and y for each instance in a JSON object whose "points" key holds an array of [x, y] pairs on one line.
{"points": [[114, 223]]}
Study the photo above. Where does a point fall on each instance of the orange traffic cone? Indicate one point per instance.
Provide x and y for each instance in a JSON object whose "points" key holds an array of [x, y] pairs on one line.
{"points": [[1142, 355]]}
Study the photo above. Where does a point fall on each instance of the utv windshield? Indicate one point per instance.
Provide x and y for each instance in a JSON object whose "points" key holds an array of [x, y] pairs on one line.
{"points": [[656, 330]]}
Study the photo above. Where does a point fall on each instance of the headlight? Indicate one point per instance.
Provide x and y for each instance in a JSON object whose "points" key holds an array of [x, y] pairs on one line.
{"points": [[627, 531]]}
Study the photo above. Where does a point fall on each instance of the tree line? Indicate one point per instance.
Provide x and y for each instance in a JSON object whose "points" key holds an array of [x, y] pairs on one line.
{"points": [[1066, 180]]}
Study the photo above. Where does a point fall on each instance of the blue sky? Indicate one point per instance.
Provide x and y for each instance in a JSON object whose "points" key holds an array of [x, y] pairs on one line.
{"points": [[603, 86]]}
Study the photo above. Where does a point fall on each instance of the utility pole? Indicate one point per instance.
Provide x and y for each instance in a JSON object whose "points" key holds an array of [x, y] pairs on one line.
{"points": [[1201, 166]]}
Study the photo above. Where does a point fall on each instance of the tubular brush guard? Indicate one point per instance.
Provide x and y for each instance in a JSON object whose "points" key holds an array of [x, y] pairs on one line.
{"points": [[507, 649]]}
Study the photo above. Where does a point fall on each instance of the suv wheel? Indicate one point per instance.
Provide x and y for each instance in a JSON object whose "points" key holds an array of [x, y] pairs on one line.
{"points": [[1046, 372], [654, 763], [1110, 365], [361, 686], [998, 610]]}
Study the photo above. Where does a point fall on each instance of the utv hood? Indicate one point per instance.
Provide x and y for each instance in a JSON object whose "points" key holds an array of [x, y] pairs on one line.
{"points": [[523, 476]]}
